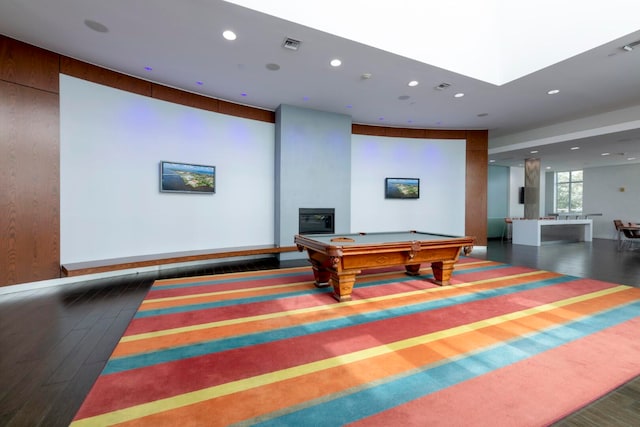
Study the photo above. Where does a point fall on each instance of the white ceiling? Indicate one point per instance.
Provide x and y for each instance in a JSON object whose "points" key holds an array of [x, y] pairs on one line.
{"points": [[181, 41]]}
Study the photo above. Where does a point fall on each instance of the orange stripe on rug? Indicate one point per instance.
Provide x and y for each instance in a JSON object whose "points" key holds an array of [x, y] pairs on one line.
{"points": [[405, 354], [146, 342]]}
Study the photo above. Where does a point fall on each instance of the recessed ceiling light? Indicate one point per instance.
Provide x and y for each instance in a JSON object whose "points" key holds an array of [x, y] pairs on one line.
{"points": [[631, 158], [199, 83], [413, 83], [148, 68], [272, 67], [229, 35], [533, 151], [491, 161], [349, 106], [458, 95], [548, 167], [553, 91], [575, 148], [243, 94], [605, 154], [336, 62]]}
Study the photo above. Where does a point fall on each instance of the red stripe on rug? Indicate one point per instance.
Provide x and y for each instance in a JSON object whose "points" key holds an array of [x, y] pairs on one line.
{"points": [[258, 282], [205, 316], [168, 321], [232, 408], [225, 276], [121, 390], [534, 392]]}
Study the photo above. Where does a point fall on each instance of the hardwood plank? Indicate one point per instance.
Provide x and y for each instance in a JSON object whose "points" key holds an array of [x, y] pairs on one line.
{"points": [[40, 331]]}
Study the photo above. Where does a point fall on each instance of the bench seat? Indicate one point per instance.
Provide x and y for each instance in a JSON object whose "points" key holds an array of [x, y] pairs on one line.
{"points": [[113, 264]]}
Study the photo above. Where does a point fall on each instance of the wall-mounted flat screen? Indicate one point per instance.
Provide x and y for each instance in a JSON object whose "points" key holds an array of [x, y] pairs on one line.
{"points": [[187, 178], [402, 188]]}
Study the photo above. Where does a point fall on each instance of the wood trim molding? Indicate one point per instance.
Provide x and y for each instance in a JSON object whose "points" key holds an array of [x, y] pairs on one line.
{"points": [[28, 65], [93, 73], [359, 129]]}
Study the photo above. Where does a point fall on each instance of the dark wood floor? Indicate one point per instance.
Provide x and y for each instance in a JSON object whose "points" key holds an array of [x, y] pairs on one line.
{"points": [[55, 342]]}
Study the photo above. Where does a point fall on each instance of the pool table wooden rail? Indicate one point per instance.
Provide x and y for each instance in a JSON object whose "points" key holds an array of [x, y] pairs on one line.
{"points": [[337, 263]]}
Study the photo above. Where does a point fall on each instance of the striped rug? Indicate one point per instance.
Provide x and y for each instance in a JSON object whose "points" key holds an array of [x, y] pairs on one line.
{"points": [[503, 346]]}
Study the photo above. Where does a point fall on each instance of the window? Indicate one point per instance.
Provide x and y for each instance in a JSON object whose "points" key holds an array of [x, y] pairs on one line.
{"points": [[569, 192]]}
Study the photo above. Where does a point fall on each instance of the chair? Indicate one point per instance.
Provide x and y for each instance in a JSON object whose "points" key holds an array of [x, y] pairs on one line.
{"points": [[506, 229], [631, 235]]}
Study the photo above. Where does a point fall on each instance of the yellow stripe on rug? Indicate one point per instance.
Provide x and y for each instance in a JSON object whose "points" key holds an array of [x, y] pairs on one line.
{"points": [[262, 317], [202, 395]]}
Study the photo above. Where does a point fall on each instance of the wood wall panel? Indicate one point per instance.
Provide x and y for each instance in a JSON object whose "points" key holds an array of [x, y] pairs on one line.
{"points": [[93, 73], [247, 112], [184, 98], [359, 129], [477, 185], [476, 182], [28, 65], [30, 176], [30, 150]]}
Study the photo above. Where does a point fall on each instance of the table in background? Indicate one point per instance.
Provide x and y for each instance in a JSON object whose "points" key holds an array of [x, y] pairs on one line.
{"points": [[337, 258], [531, 232]]}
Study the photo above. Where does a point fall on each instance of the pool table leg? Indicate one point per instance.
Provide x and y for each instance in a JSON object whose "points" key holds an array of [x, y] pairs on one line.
{"points": [[342, 282], [442, 271], [320, 273], [412, 269]]}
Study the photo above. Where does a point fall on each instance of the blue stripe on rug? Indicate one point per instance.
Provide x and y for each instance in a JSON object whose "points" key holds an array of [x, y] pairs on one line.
{"points": [[137, 361], [250, 300], [222, 281], [385, 395]]}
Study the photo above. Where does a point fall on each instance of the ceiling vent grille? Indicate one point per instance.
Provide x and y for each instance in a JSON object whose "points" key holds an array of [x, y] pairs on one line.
{"points": [[291, 44], [442, 86]]}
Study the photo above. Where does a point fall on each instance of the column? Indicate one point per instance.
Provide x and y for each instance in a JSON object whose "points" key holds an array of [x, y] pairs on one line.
{"points": [[532, 188]]}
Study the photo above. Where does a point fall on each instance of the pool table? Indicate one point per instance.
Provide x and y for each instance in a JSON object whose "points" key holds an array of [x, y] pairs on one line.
{"points": [[336, 259]]}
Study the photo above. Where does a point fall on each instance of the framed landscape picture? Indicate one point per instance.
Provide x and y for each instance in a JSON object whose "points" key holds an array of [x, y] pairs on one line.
{"points": [[187, 178], [402, 188]]}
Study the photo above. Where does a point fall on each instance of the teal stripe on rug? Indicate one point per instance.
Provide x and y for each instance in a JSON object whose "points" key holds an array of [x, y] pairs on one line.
{"points": [[138, 361], [384, 395], [222, 281], [312, 290]]}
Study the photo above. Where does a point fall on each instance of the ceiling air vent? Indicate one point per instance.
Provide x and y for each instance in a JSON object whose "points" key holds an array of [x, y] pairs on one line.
{"points": [[442, 86], [291, 44]]}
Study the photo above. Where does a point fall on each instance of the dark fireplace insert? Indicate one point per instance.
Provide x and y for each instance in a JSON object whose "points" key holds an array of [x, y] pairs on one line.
{"points": [[316, 221]]}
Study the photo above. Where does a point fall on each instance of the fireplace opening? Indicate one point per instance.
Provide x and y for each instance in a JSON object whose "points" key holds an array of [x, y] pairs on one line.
{"points": [[316, 221]]}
